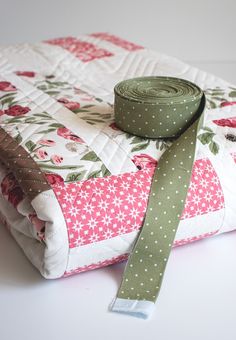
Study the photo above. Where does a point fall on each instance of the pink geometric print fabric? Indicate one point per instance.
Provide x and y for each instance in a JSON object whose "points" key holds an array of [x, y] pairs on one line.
{"points": [[83, 50], [129, 46], [205, 193], [102, 208]]}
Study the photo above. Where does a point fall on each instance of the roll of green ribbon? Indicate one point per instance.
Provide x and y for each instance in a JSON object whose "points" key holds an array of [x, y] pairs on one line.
{"points": [[158, 107]]}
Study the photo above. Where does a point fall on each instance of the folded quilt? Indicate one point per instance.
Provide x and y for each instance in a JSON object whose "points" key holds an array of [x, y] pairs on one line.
{"points": [[74, 187]]}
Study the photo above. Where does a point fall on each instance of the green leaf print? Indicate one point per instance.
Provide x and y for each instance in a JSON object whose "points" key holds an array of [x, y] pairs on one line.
{"points": [[58, 167], [206, 137], [56, 125], [18, 138], [30, 145], [94, 174], [9, 101], [105, 171], [214, 147], [232, 94], [52, 93], [90, 156], [137, 140], [206, 128], [75, 176], [140, 147]]}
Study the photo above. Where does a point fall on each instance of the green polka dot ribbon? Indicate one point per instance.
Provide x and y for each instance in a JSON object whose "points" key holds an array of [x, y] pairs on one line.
{"points": [[158, 107]]}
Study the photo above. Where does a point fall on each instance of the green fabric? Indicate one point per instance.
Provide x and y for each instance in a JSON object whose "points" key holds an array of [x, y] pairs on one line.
{"points": [[159, 107], [156, 107]]}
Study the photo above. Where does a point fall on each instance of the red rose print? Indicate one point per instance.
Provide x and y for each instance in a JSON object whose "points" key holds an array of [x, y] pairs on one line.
{"points": [[56, 159], [46, 142], [17, 110], [1, 112], [223, 104], [54, 178], [5, 86], [41, 154], [29, 74], [68, 134], [15, 196], [114, 127], [229, 122], [69, 105], [144, 161], [39, 225], [8, 183]]}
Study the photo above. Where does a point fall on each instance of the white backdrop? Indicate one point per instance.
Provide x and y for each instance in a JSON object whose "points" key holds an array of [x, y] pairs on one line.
{"points": [[200, 32]]}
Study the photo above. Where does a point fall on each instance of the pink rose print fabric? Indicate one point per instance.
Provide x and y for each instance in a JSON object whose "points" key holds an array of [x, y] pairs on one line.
{"points": [[144, 161], [29, 74], [5, 86], [223, 104], [102, 208], [83, 50], [39, 226], [69, 104], [16, 110], [67, 134], [129, 46], [11, 190], [229, 122]]}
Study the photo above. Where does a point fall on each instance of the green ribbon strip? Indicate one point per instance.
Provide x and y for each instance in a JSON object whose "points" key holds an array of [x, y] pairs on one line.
{"points": [[158, 107]]}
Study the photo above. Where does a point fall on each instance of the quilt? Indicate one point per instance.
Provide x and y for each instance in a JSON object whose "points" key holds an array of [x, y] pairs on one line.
{"points": [[74, 188]]}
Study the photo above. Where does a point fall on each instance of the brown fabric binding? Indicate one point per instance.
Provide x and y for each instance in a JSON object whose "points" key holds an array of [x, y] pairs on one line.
{"points": [[27, 172]]}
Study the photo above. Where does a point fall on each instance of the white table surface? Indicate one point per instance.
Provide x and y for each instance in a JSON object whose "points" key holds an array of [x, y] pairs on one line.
{"points": [[197, 300]]}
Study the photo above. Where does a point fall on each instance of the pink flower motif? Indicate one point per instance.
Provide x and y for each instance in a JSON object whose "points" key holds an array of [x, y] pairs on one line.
{"points": [[223, 104], [8, 183], [56, 159], [114, 127], [69, 104], [144, 161], [229, 122], [29, 74], [54, 178], [46, 142], [5, 86], [68, 134], [84, 95], [16, 110], [1, 112], [41, 154], [15, 196], [39, 225]]}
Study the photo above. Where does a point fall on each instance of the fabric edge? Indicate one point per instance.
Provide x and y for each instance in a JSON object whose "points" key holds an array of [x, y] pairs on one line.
{"points": [[142, 309]]}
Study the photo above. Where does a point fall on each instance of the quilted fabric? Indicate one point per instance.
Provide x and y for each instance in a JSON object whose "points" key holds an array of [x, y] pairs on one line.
{"points": [[56, 105]]}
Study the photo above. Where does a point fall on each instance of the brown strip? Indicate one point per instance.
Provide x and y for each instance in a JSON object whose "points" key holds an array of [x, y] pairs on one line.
{"points": [[27, 172]]}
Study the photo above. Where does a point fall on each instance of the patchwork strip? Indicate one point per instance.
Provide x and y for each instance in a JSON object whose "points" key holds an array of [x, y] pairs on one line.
{"points": [[127, 45], [83, 50]]}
